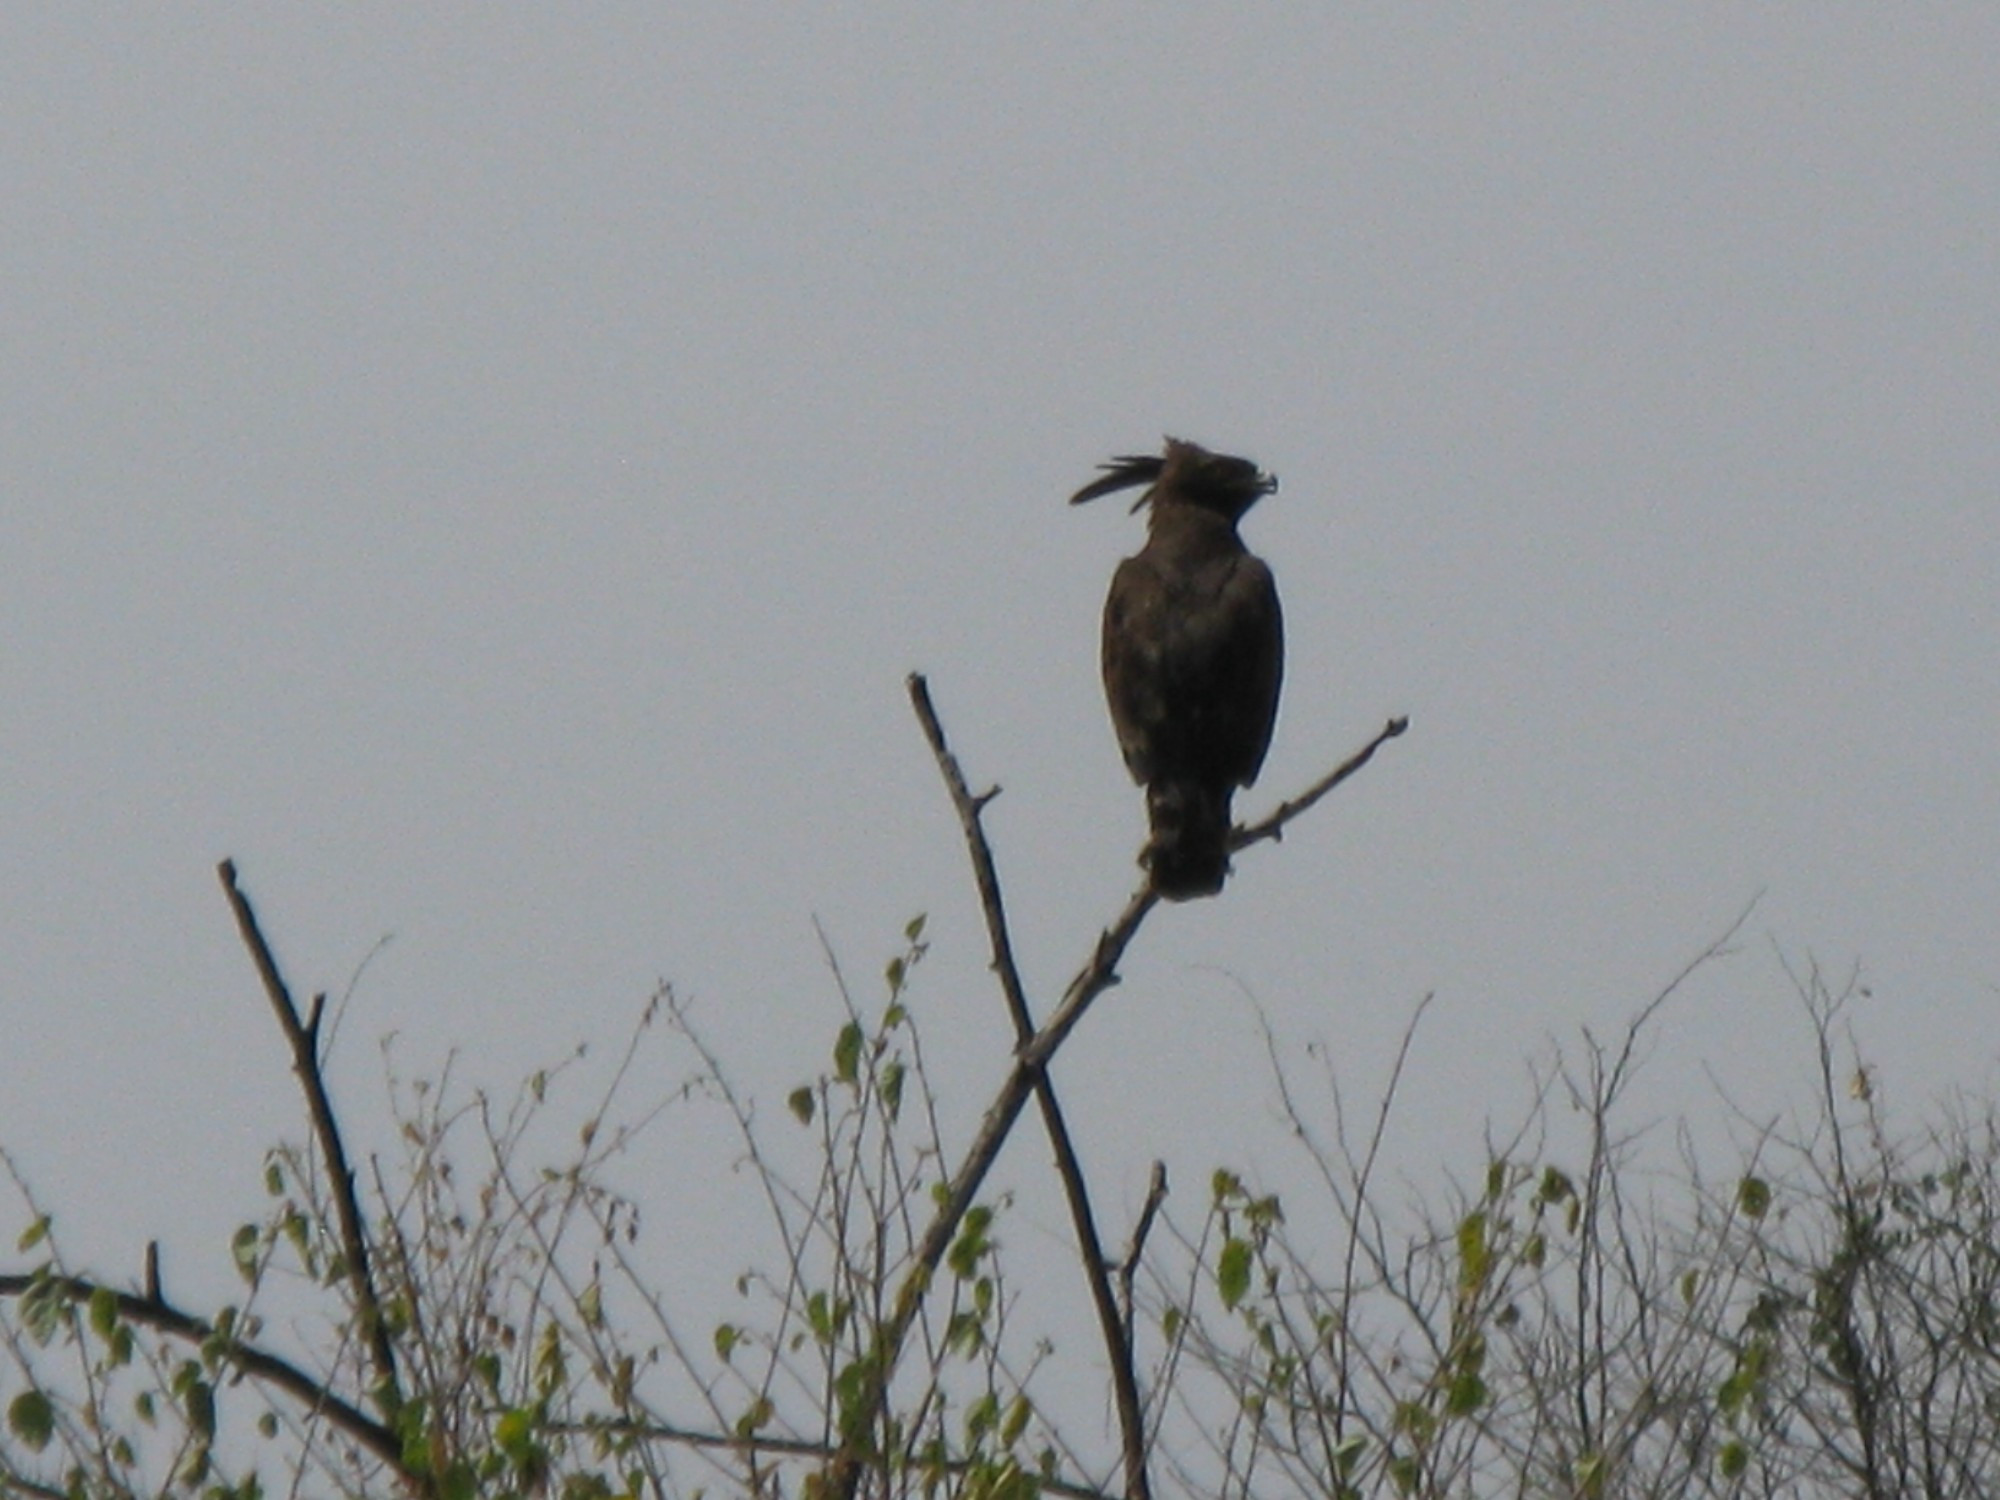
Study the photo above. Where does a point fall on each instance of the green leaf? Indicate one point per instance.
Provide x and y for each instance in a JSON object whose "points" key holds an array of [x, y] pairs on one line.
{"points": [[1466, 1394], [892, 1089], [972, 1243], [104, 1313], [964, 1334], [1017, 1421], [299, 1232], [267, 1424], [197, 1466], [1753, 1196], [43, 1307], [1232, 1272], [981, 1418], [514, 1433], [1225, 1185], [1733, 1458], [1475, 1252], [34, 1234], [847, 1053], [915, 929], [274, 1178], [199, 1400], [759, 1415], [590, 1305], [727, 1337], [243, 1250], [32, 1418], [1347, 1453], [801, 1102], [1590, 1475], [822, 1315]]}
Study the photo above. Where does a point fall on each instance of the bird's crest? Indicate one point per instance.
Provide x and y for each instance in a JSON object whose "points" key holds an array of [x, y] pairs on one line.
{"points": [[1215, 479], [1121, 474]]}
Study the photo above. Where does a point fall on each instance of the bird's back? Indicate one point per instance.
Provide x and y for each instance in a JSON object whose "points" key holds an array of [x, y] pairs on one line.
{"points": [[1192, 652]]}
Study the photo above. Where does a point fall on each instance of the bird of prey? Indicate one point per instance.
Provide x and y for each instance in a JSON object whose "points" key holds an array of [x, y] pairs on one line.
{"points": [[1193, 652]]}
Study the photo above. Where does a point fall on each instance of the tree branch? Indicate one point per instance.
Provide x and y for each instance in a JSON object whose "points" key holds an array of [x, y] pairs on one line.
{"points": [[1116, 1330], [1156, 1194], [154, 1312], [1272, 825], [303, 1037], [1031, 1059]]}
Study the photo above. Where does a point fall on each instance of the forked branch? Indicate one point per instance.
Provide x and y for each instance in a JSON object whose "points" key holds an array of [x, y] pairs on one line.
{"points": [[1112, 1324], [1028, 1074], [303, 1038]]}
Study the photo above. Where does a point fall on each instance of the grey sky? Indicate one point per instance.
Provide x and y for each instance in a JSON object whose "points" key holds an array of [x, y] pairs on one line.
{"points": [[490, 474]]}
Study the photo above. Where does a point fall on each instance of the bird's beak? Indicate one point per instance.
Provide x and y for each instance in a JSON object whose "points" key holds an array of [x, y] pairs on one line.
{"points": [[1267, 484]]}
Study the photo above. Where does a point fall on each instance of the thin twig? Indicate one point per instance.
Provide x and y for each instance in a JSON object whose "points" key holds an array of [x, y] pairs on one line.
{"points": [[1115, 1328], [1272, 825], [1362, 1178], [303, 1037], [1156, 1194]]}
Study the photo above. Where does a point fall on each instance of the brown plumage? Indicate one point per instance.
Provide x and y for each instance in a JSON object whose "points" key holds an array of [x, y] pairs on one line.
{"points": [[1193, 654]]}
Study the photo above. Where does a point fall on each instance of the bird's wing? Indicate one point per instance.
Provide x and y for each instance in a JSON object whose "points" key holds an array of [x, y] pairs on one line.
{"points": [[1136, 678], [1253, 667]]}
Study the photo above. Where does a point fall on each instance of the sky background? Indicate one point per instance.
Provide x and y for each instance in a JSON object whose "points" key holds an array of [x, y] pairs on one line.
{"points": [[489, 473]]}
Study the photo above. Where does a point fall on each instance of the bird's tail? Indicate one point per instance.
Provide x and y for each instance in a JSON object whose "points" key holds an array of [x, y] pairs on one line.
{"points": [[1188, 853]]}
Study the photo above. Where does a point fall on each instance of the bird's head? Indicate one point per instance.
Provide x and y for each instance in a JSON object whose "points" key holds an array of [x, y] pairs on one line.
{"points": [[1186, 472]]}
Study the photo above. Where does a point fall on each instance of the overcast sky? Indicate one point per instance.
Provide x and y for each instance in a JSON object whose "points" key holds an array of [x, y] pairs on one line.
{"points": [[490, 474]]}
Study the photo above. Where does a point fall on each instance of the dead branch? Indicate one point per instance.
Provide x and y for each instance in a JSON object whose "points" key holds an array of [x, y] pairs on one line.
{"points": [[1272, 825], [303, 1037], [1114, 1327], [1031, 1059]]}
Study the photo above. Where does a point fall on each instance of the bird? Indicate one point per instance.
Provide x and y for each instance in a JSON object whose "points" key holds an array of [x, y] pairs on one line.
{"points": [[1193, 652]]}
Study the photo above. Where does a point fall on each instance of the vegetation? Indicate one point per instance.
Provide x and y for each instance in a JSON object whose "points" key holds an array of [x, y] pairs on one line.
{"points": [[475, 1317]]}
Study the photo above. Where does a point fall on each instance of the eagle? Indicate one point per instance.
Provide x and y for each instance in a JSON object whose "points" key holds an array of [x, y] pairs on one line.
{"points": [[1193, 652]]}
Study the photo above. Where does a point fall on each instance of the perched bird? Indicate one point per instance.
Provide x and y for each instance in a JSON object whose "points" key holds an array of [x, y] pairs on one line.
{"points": [[1193, 649]]}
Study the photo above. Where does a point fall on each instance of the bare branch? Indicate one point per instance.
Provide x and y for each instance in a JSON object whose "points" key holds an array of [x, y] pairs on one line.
{"points": [[1156, 1194], [1272, 824], [1114, 1326], [1032, 1057], [303, 1037]]}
